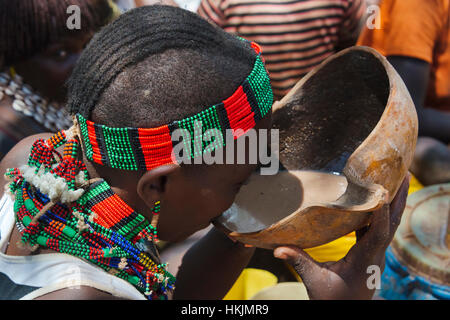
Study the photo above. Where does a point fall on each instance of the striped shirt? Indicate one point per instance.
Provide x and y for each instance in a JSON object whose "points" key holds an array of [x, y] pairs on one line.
{"points": [[295, 36]]}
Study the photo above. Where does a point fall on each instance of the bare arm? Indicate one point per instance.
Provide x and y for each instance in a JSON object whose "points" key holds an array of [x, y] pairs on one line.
{"points": [[416, 73], [210, 267], [18, 156], [347, 278]]}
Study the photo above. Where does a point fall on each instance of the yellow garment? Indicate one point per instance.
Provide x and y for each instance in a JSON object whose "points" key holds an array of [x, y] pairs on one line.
{"points": [[334, 250], [249, 283], [414, 185]]}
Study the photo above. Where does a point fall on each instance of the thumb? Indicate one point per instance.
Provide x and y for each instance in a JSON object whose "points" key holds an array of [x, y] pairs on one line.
{"points": [[299, 259]]}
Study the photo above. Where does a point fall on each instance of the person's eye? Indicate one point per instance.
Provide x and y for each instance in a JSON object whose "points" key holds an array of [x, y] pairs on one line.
{"points": [[61, 54], [58, 54]]}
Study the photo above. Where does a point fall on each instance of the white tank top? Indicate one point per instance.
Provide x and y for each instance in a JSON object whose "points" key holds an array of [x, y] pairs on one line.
{"points": [[29, 277]]}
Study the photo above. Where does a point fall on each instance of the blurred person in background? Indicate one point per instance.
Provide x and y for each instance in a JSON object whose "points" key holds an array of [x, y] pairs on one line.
{"points": [[295, 36], [141, 3], [190, 5], [125, 5], [415, 37], [37, 54], [372, 2]]}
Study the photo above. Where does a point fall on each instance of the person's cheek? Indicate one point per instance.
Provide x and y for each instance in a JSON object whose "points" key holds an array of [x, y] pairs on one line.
{"points": [[61, 70], [218, 200], [175, 222]]}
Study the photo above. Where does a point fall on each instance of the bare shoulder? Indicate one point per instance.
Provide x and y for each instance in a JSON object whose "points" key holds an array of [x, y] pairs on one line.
{"points": [[78, 293], [18, 155]]}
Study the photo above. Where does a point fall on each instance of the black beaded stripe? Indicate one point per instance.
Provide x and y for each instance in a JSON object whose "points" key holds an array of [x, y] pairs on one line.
{"points": [[133, 133], [172, 127], [252, 100], [99, 198], [123, 222], [101, 144], [136, 230], [223, 118]]}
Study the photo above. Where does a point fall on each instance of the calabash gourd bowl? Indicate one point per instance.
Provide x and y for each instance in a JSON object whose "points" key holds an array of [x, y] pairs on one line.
{"points": [[352, 115]]}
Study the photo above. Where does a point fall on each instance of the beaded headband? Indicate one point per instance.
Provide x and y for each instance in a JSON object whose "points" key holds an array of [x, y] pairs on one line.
{"points": [[145, 149]]}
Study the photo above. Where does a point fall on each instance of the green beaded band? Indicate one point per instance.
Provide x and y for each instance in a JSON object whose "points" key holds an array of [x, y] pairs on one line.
{"points": [[144, 149]]}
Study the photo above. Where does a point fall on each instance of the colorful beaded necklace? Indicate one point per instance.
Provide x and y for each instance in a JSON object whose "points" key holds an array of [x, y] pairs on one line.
{"points": [[145, 149], [59, 208]]}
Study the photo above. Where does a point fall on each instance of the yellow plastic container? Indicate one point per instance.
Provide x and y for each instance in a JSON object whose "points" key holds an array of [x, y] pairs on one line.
{"points": [[250, 282]]}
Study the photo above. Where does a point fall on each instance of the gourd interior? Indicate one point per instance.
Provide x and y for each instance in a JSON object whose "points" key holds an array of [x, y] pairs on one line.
{"points": [[334, 111], [321, 123]]}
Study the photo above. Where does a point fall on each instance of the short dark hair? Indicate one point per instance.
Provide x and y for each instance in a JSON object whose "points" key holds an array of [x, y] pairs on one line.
{"points": [[154, 65], [29, 26]]}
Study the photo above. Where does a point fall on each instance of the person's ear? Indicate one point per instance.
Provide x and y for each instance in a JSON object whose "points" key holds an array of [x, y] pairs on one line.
{"points": [[152, 185]]}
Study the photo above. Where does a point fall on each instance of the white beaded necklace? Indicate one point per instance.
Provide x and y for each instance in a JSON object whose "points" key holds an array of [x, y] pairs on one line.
{"points": [[31, 104]]}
